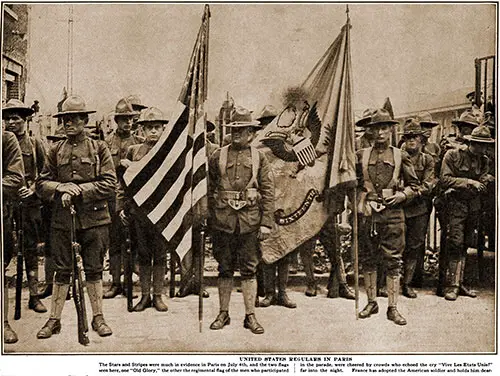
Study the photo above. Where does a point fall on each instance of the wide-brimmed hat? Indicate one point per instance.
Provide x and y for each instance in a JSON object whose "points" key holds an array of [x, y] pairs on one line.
{"points": [[73, 105], [380, 116], [241, 117], [480, 134], [467, 119], [425, 120], [412, 127], [124, 108], [136, 102], [152, 115], [366, 117], [15, 105], [269, 111]]}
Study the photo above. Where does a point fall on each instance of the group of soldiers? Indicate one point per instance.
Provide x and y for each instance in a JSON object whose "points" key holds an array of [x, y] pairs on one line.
{"points": [[78, 182]]}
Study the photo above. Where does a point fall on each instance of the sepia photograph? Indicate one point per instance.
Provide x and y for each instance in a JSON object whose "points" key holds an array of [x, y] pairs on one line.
{"points": [[221, 179]]}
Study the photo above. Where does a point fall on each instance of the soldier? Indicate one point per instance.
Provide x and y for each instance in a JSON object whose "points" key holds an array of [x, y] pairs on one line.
{"points": [[417, 212], [464, 176], [79, 172], [12, 181], [151, 245], [15, 115], [241, 202], [118, 143], [382, 168], [424, 118]]}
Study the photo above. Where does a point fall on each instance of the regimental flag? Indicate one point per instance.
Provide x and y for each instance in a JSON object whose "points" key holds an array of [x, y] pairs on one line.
{"points": [[170, 183], [310, 146]]}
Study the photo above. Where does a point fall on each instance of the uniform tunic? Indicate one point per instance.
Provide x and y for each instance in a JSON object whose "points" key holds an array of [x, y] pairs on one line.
{"points": [[235, 231], [87, 163], [388, 226], [462, 200]]}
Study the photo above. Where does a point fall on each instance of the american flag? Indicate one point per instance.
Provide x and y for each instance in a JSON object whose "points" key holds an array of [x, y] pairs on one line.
{"points": [[170, 182]]}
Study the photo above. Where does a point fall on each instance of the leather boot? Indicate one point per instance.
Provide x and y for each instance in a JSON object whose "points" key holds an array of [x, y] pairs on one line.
{"points": [[159, 304], [393, 291], [370, 282], [100, 326], [114, 290], [251, 323], [9, 335], [34, 302], [285, 301], [269, 300], [346, 292], [36, 305], [409, 271], [312, 288], [145, 279], [452, 280], [463, 290], [221, 321], [53, 326], [144, 303]]}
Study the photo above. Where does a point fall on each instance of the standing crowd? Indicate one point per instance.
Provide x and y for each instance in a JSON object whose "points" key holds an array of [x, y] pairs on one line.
{"points": [[398, 189]]}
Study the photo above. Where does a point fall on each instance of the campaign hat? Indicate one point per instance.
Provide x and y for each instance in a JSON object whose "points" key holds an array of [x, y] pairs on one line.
{"points": [[152, 115], [17, 106], [241, 117], [73, 105], [480, 134]]}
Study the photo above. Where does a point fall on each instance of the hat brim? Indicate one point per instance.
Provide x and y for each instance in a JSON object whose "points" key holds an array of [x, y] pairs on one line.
{"points": [[22, 110], [429, 124], [255, 124], [134, 113], [142, 122], [138, 107], [59, 114], [471, 138], [374, 123], [411, 133], [460, 123], [362, 122]]}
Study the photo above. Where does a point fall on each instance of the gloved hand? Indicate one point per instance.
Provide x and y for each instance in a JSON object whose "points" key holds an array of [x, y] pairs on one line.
{"points": [[263, 233], [397, 198]]}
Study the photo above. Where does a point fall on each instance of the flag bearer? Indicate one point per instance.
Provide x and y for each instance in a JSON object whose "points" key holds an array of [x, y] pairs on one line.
{"points": [[241, 202], [15, 114], [388, 181], [79, 171], [118, 143], [151, 245]]}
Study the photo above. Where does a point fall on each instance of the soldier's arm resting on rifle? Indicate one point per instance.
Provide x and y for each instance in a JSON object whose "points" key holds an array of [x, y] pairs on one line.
{"points": [[105, 184]]}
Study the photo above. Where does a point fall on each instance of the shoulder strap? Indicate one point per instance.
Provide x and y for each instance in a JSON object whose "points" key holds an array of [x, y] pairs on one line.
{"points": [[397, 166], [364, 163], [254, 153], [224, 151]]}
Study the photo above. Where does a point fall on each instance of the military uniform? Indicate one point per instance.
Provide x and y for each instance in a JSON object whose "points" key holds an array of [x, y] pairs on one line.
{"points": [[118, 143], [88, 164], [384, 172], [12, 180], [459, 169], [417, 212], [151, 245], [241, 203]]}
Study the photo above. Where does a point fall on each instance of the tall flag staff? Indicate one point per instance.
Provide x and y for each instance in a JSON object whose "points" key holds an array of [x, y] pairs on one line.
{"points": [[170, 183]]}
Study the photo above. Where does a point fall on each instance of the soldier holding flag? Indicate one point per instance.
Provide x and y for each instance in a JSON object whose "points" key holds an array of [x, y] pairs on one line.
{"points": [[241, 201]]}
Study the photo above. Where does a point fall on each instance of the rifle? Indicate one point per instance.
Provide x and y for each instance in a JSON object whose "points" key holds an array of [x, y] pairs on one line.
{"points": [[77, 283], [18, 237], [129, 269]]}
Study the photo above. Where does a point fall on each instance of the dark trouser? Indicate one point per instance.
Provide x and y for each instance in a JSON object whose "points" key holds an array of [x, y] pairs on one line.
{"points": [[117, 247], [93, 242], [330, 238], [416, 230], [151, 245], [232, 249], [277, 269], [382, 238]]}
